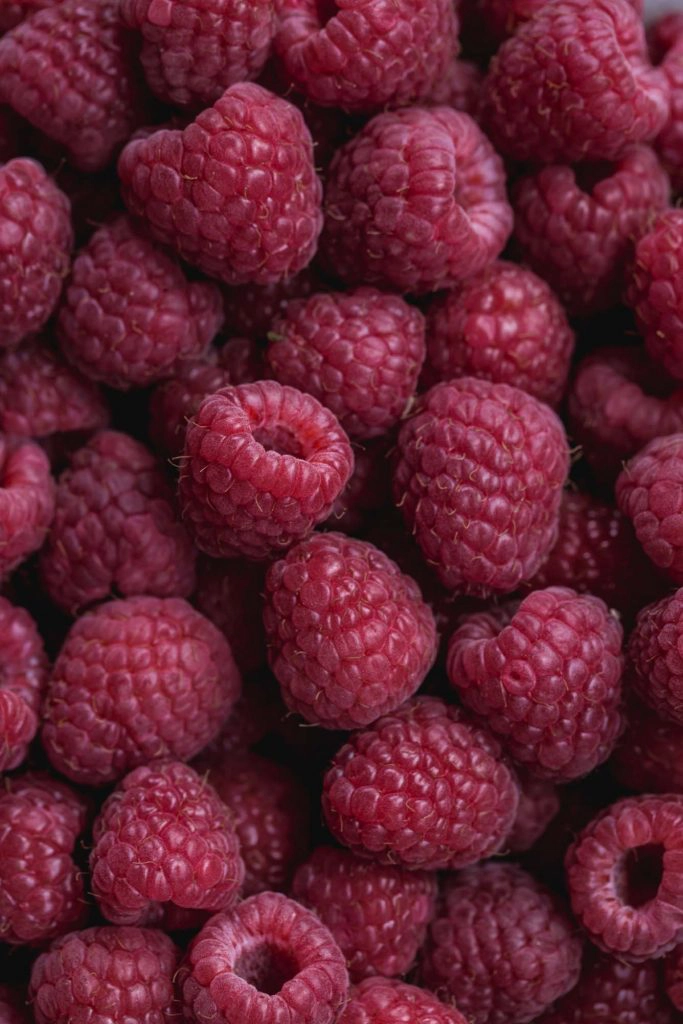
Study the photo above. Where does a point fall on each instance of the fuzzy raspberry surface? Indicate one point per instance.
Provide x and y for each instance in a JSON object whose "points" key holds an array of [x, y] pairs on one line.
{"points": [[23, 676], [503, 17], [539, 803], [655, 660], [459, 88], [656, 291], [669, 142], [388, 1001], [649, 756], [27, 501], [230, 594]]}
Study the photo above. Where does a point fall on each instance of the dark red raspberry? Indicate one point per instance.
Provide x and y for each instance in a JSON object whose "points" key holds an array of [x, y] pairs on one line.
{"points": [[459, 87], [235, 192], [378, 914], [14, 11], [230, 594], [664, 33], [164, 837], [27, 501], [174, 402], [23, 675], [674, 977], [401, 222], [244, 360], [129, 314], [267, 961], [505, 325], [654, 652], [106, 973], [136, 680], [539, 803], [500, 947], [368, 491], [263, 465], [575, 226], [251, 309], [649, 756], [656, 291], [387, 1001], [669, 142], [14, 1006], [35, 247], [503, 17], [424, 787], [479, 480]]}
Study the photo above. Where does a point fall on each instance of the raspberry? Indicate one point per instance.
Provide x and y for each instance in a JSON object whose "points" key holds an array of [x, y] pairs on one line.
{"points": [[230, 594], [27, 501], [397, 220], [368, 491], [654, 656], [359, 353], [377, 914], [504, 325], [349, 636], [251, 309], [164, 837], [175, 402], [129, 314], [479, 479], [244, 360], [263, 465], [664, 33], [539, 102], [503, 17], [387, 1001], [539, 803], [13, 1008], [423, 787], [624, 877], [649, 757], [115, 528], [575, 227], [23, 675], [136, 680], [106, 974], [35, 247], [669, 142], [500, 947], [674, 977], [235, 193], [656, 291], [193, 50], [459, 88], [267, 961]]}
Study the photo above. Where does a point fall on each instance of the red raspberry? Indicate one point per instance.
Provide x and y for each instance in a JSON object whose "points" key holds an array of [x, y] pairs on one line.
{"points": [[136, 680], [387, 1001], [479, 479], [267, 961], [23, 675], [500, 947], [424, 787], [656, 291], [349, 637], [129, 313], [251, 309], [35, 247], [230, 594], [115, 528], [539, 803], [649, 757], [503, 17], [575, 226], [377, 914], [368, 491], [106, 974], [654, 652], [664, 33], [674, 977], [27, 501], [244, 360], [14, 11], [460, 87], [13, 1006], [398, 221], [164, 837], [503, 325], [193, 50], [175, 402], [263, 465], [235, 193], [669, 142]]}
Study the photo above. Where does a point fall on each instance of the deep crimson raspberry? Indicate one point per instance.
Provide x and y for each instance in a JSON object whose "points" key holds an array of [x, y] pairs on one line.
{"points": [[654, 652], [378, 914], [649, 756], [539, 803], [27, 501], [401, 221], [14, 11], [23, 675], [251, 309], [368, 491], [235, 193], [460, 87], [230, 594], [263, 465], [656, 291], [479, 480], [129, 314], [174, 402], [243, 359], [13, 1006], [674, 977], [423, 787], [106, 974], [669, 142], [387, 1001], [503, 17]]}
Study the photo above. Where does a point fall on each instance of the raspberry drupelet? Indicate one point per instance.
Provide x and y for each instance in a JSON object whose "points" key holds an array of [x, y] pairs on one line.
{"points": [[263, 465], [388, 1001], [654, 647], [174, 402], [649, 756], [539, 803], [15, 11], [230, 594], [459, 88], [503, 17], [23, 675], [655, 291], [27, 501]]}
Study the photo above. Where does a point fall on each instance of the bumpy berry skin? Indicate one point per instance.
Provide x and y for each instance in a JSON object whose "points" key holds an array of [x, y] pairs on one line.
{"points": [[36, 233], [27, 501], [129, 314], [669, 142], [539, 803], [230, 594], [396, 223], [500, 947], [649, 756], [164, 837], [349, 636], [654, 657], [129, 975], [16, 10], [263, 465], [13, 1006], [174, 402], [174, 668], [503, 17], [23, 675], [423, 787], [193, 51], [503, 325], [459, 88], [479, 480], [656, 291], [251, 309], [115, 528], [387, 1001], [235, 193], [378, 914], [575, 227], [674, 977]]}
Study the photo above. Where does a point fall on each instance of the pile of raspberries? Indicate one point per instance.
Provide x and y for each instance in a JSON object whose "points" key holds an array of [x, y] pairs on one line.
{"points": [[341, 512]]}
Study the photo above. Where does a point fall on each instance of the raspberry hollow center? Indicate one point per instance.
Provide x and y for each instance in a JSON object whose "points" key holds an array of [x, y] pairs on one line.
{"points": [[277, 438], [267, 967], [643, 870]]}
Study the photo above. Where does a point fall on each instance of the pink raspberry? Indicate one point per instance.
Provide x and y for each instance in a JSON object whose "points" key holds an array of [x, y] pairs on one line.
{"points": [[35, 247], [129, 314], [500, 947], [23, 675], [423, 787], [656, 291], [674, 977], [193, 50], [368, 491], [654, 652], [504, 325], [263, 465], [251, 309], [349, 636], [398, 221], [174, 402], [267, 961], [575, 226], [27, 501], [359, 353], [539, 803], [387, 1001], [460, 87], [164, 837], [230, 594], [235, 192], [115, 528], [649, 756], [479, 479], [378, 914], [669, 142], [13, 1006], [106, 973], [136, 680]]}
